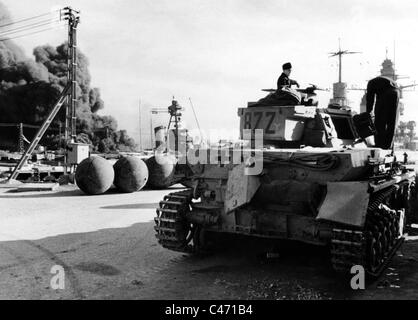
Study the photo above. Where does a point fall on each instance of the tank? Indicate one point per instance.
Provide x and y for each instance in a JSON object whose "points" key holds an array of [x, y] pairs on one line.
{"points": [[317, 182]]}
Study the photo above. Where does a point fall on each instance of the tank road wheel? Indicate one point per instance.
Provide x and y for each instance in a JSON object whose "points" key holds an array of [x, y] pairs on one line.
{"points": [[372, 258], [374, 246], [412, 207], [384, 233], [173, 231], [201, 241]]}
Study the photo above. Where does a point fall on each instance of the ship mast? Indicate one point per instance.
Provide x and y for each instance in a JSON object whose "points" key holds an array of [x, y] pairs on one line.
{"points": [[340, 88]]}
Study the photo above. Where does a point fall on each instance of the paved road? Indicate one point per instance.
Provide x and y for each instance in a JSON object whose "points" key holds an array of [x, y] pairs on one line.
{"points": [[107, 247]]}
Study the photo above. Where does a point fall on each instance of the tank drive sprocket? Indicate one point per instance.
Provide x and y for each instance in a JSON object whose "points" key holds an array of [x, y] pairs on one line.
{"points": [[373, 246], [173, 231]]}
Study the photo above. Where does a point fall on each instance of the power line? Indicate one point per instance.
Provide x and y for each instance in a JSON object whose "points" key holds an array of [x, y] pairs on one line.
{"points": [[28, 19], [7, 29], [31, 33], [28, 27]]}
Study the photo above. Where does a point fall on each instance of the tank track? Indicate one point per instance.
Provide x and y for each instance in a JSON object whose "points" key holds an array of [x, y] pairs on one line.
{"points": [[172, 229], [372, 247]]}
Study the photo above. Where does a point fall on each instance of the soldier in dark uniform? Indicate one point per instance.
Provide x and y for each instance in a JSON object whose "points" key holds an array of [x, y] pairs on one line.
{"points": [[386, 93], [284, 80], [284, 95]]}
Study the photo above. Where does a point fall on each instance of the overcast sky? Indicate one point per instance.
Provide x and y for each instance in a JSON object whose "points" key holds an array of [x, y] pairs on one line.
{"points": [[221, 53]]}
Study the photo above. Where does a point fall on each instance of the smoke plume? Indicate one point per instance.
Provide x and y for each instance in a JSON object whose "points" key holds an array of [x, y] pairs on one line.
{"points": [[29, 87]]}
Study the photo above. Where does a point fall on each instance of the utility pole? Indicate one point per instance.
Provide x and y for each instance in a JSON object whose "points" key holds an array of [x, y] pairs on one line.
{"points": [[151, 132], [73, 18], [60, 134], [140, 125], [21, 141], [394, 60], [68, 95]]}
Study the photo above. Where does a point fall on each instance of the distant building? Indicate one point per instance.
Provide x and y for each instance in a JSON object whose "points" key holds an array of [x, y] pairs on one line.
{"points": [[412, 145]]}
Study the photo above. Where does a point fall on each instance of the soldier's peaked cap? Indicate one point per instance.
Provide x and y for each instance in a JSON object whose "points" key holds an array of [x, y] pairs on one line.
{"points": [[287, 66]]}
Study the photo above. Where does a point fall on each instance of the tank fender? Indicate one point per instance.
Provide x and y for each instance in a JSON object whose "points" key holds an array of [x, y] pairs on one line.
{"points": [[240, 188], [346, 203]]}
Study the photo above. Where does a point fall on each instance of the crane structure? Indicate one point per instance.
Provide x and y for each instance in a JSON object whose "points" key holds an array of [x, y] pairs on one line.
{"points": [[174, 110]]}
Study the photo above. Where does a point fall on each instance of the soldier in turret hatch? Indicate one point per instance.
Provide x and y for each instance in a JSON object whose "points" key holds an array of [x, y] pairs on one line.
{"points": [[284, 80], [386, 93]]}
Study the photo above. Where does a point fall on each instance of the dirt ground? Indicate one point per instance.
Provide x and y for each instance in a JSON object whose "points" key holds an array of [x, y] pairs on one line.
{"points": [[107, 247]]}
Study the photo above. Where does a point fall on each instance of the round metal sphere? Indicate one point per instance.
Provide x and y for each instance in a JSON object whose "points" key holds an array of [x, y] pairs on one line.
{"points": [[131, 174], [94, 175], [161, 171]]}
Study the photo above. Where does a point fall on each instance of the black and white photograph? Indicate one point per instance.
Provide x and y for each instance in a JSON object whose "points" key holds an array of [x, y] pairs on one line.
{"points": [[208, 155]]}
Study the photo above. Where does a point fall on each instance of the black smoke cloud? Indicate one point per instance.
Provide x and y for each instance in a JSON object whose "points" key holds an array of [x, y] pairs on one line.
{"points": [[30, 87], [54, 60]]}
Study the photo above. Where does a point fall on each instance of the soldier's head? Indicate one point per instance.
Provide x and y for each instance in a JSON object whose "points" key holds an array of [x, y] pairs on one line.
{"points": [[287, 68]]}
